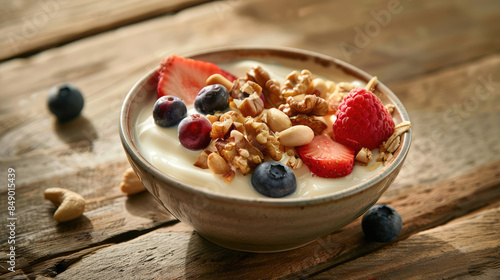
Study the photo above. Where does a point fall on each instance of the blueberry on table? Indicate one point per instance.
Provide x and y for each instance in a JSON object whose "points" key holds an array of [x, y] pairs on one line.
{"points": [[194, 132], [274, 179], [169, 111], [65, 102], [211, 99], [381, 223]]}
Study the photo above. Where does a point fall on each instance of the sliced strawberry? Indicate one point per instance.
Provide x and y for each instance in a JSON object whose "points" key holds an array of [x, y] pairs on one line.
{"points": [[185, 77], [327, 158]]}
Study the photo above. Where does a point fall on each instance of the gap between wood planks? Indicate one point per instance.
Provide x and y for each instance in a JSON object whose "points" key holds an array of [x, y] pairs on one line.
{"points": [[119, 23]]}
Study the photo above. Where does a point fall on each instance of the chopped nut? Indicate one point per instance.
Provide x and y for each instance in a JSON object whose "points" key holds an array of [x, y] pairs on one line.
{"points": [[344, 87], [295, 136], [319, 88], [212, 118], [277, 120], [219, 79], [259, 135], [219, 166], [398, 131], [316, 125], [270, 87], [334, 99], [233, 115], [243, 88], [202, 159], [238, 152], [364, 156], [296, 83], [370, 86], [131, 183], [309, 105], [294, 162], [390, 108], [392, 144], [251, 106], [221, 129]]}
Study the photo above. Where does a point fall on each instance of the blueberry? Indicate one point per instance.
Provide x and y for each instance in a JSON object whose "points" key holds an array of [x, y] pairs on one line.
{"points": [[274, 179], [65, 102], [381, 223], [169, 111], [211, 99]]}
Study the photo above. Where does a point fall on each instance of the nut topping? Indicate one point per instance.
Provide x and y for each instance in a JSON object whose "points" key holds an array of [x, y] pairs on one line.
{"points": [[316, 125], [296, 83]]}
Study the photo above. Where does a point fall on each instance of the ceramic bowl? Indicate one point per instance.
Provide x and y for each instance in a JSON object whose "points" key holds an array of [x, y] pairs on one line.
{"points": [[260, 224]]}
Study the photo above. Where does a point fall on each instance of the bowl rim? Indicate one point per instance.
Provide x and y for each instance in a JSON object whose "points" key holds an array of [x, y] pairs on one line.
{"points": [[126, 140]]}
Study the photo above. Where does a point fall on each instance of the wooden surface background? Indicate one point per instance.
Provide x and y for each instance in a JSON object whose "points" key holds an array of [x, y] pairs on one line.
{"points": [[441, 58]]}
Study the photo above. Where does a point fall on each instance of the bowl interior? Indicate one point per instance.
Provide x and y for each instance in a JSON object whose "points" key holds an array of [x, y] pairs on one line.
{"points": [[145, 90]]}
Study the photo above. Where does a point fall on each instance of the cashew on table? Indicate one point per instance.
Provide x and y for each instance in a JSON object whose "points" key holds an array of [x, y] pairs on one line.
{"points": [[70, 205]]}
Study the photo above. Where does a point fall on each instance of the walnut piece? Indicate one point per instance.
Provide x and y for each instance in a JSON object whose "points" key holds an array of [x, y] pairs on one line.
{"points": [[251, 106], [296, 83], [270, 87], [305, 104], [316, 125], [226, 123], [260, 136], [238, 152]]}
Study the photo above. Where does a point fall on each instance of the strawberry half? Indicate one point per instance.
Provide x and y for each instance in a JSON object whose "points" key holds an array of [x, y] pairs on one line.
{"points": [[327, 158], [185, 77]]}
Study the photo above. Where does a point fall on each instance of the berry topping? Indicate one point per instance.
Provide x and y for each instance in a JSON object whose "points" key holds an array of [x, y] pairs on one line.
{"points": [[65, 102], [381, 223], [212, 98], [327, 158], [362, 121], [194, 132], [169, 111], [274, 179], [185, 77]]}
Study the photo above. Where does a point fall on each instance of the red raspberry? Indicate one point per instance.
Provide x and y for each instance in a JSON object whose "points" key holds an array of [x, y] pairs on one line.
{"points": [[362, 121]]}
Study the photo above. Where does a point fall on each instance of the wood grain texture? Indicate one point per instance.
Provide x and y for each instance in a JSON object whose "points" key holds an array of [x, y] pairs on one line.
{"points": [[441, 59], [28, 26], [463, 249]]}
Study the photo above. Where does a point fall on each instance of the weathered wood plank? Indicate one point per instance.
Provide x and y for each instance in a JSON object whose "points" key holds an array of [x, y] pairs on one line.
{"points": [[28, 26], [177, 252], [110, 216], [465, 248]]}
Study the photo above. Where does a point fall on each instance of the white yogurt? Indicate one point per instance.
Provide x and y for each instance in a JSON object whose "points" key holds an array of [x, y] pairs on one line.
{"points": [[162, 148]]}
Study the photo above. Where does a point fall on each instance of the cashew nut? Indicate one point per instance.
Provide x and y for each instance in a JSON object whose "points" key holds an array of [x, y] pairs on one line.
{"points": [[131, 183], [219, 79], [70, 205]]}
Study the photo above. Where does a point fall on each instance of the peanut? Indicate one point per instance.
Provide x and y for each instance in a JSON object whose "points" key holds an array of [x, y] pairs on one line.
{"points": [[70, 205], [277, 120], [296, 136]]}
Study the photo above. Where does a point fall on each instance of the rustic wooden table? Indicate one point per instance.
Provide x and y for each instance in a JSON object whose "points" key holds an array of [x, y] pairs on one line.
{"points": [[441, 58]]}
